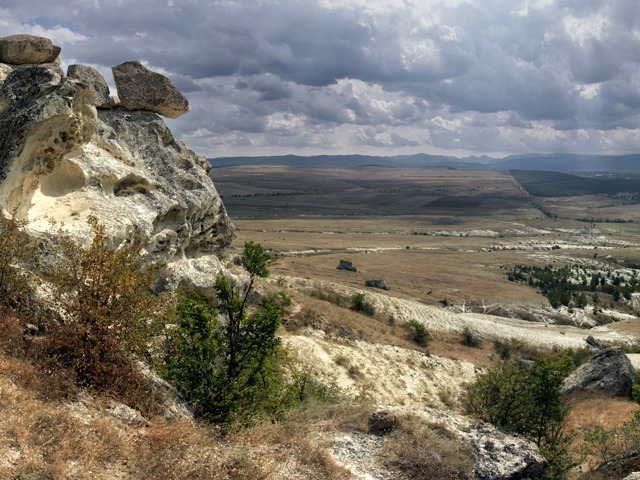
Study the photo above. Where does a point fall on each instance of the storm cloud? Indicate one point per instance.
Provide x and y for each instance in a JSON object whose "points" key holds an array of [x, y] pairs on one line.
{"points": [[377, 76]]}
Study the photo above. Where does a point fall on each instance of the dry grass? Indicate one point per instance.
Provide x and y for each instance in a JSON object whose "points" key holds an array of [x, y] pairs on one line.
{"points": [[596, 409], [78, 440], [419, 450]]}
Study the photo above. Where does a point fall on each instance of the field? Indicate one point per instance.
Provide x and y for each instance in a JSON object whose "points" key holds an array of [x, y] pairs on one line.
{"points": [[436, 235], [557, 184]]}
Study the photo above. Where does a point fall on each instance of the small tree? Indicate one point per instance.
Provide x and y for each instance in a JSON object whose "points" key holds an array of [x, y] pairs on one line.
{"points": [[228, 367]]}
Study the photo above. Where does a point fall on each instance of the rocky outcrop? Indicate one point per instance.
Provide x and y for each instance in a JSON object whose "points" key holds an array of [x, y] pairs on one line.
{"points": [[381, 284], [28, 49], [62, 160], [141, 89], [96, 83], [502, 456], [498, 455], [609, 370], [346, 265]]}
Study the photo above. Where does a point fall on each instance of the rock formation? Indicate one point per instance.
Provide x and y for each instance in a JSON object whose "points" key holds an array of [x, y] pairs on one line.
{"points": [[609, 370], [61, 159], [28, 49], [141, 89], [498, 455], [96, 83], [503, 456], [346, 265]]}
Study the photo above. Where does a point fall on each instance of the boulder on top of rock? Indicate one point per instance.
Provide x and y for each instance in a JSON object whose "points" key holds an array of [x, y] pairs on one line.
{"points": [[141, 89], [28, 49], [381, 284], [96, 83], [346, 265], [609, 370]]}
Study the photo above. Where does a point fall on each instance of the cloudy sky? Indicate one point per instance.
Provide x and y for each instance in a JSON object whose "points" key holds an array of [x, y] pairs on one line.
{"points": [[380, 77]]}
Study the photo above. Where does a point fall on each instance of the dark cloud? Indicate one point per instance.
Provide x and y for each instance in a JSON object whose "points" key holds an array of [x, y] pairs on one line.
{"points": [[280, 75]]}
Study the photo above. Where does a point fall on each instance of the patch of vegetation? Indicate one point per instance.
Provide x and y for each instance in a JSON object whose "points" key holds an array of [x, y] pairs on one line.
{"points": [[17, 253], [228, 369], [470, 338], [359, 303], [605, 445], [109, 310], [569, 285], [331, 297], [417, 332], [506, 348]]}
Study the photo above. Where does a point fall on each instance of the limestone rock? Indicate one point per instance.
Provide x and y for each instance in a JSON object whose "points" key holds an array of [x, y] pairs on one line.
{"points": [[609, 370], [633, 476], [502, 456], [381, 284], [96, 83], [498, 455], [63, 160], [346, 265], [27, 49], [141, 89], [382, 422]]}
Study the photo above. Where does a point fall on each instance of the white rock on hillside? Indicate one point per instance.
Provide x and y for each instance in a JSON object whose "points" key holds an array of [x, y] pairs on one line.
{"points": [[63, 160]]}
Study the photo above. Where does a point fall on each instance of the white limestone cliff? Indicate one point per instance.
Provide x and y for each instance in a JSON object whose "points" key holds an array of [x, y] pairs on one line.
{"points": [[62, 159]]}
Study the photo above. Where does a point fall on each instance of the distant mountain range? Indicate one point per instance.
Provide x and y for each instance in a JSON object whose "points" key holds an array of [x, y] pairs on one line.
{"points": [[558, 162]]}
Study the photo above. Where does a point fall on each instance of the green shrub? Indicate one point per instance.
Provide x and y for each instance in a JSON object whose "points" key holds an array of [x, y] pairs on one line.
{"points": [[359, 303], [506, 348], [635, 388], [527, 401], [417, 332], [469, 338]]}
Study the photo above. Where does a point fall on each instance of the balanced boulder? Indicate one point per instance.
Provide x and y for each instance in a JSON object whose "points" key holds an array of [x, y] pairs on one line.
{"points": [[28, 49], [609, 370], [96, 83], [141, 89]]}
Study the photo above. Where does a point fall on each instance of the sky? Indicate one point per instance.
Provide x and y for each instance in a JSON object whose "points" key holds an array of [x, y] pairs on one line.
{"points": [[380, 77]]}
